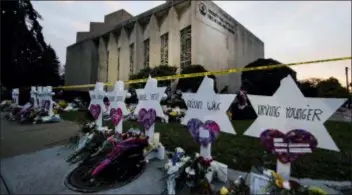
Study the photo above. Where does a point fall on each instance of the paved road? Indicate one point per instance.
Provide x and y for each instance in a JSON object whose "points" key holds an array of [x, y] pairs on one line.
{"points": [[21, 139]]}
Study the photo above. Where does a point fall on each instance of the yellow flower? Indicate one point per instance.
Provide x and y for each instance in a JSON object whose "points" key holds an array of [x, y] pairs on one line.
{"points": [[276, 176], [229, 114], [279, 183], [173, 113], [317, 190], [224, 191], [62, 103], [278, 179]]}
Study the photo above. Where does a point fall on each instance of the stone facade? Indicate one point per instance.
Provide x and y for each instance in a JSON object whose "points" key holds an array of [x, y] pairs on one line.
{"points": [[198, 32]]}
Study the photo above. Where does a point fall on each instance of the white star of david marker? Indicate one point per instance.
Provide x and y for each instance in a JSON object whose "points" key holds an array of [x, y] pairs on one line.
{"points": [[288, 109], [150, 97], [117, 97], [96, 98], [117, 100], [207, 104]]}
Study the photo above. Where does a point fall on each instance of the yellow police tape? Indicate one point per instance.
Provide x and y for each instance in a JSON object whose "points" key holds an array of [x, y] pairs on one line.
{"points": [[202, 74]]}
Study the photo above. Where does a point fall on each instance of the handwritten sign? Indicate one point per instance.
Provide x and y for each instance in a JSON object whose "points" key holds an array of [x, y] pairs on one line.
{"points": [[96, 105], [149, 102], [207, 103], [305, 113], [290, 120], [117, 105]]}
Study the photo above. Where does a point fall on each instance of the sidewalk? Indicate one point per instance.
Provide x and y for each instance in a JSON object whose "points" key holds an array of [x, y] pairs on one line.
{"points": [[43, 172], [21, 139]]}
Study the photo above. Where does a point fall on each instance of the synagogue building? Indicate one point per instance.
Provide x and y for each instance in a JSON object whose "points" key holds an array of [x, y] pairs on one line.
{"points": [[176, 33]]}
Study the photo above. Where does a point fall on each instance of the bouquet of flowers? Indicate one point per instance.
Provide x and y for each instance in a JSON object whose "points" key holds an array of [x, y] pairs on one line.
{"points": [[96, 143], [76, 104], [88, 140], [238, 187], [173, 168], [89, 144], [194, 175], [175, 114], [131, 109], [278, 185], [6, 105], [114, 138]]}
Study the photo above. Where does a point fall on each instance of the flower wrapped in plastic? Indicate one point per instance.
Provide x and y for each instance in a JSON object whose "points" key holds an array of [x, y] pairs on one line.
{"points": [[173, 168], [192, 175], [237, 187], [278, 185], [6, 105], [90, 143]]}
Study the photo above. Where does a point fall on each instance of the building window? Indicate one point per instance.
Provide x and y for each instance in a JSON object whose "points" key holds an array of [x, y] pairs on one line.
{"points": [[118, 61], [164, 49], [131, 58], [146, 53], [186, 47]]}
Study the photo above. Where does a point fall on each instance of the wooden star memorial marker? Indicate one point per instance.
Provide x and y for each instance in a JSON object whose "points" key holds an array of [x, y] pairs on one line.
{"points": [[96, 105], [206, 115], [148, 107], [290, 125], [118, 108]]}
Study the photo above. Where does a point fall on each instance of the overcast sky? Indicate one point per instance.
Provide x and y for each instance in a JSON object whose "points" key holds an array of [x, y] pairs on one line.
{"points": [[292, 31]]}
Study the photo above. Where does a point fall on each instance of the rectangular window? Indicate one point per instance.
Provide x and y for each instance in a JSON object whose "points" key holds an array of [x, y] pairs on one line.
{"points": [[131, 58], [164, 49], [146, 52], [118, 62], [186, 47]]}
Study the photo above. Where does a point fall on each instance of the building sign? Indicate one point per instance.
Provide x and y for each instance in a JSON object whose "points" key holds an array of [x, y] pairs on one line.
{"points": [[220, 19]]}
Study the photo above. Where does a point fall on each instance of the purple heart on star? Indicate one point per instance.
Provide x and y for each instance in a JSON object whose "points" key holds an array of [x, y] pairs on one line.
{"points": [[194, 126]]}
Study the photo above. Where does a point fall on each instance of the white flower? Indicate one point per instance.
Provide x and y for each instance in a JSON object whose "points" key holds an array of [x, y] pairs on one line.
{"points": [[168, 165], [184, 158], [90, 135], [286, 185], [179, 150], [172, 169]]}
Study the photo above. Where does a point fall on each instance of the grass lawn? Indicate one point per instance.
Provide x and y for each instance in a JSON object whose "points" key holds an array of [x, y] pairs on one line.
{"points": [[247, 151]]}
